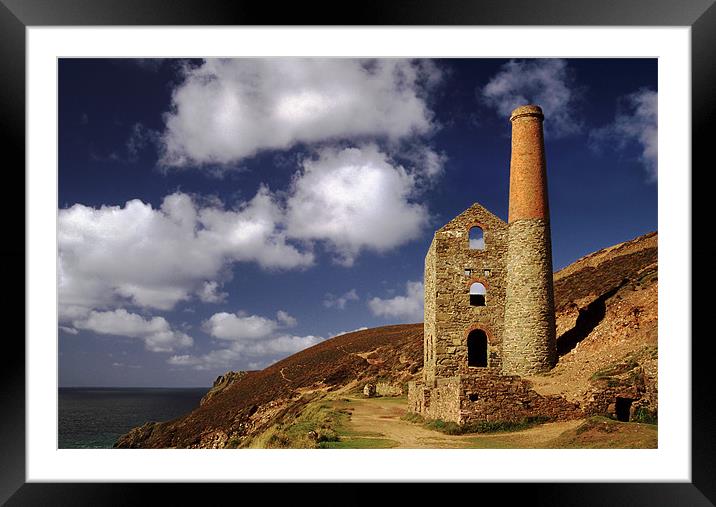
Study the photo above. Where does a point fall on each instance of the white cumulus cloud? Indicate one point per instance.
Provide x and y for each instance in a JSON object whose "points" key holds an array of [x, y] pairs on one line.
{"points": [[269, 350], [283, 345], [228, 109], [155, 332], [216, 359], [209, 293], [154, 258], [350, 200], [339, 302], [285, 319], [241, 327], [408, 306], [636, 122], [230, 326], [246, 337], [354, 199], [547, 83]]}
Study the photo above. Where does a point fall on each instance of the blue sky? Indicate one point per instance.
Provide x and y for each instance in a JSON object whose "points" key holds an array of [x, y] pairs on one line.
{"points": [[223, 214]]}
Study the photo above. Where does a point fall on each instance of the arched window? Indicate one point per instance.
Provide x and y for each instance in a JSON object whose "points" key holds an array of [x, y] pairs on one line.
{"points": [[477, 348], [477, 294], [477, 239]]}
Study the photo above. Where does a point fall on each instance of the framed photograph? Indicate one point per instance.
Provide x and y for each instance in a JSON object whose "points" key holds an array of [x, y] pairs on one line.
{"points": [[162, 148]]}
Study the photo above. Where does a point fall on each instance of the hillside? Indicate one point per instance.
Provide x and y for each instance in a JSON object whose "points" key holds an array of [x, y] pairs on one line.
{"points": [[251, 404], [606, 307]]}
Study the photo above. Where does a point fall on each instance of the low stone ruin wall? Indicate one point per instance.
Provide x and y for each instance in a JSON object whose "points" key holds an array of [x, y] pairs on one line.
{"points": [[603, 401], [388, 389], [487, 397], [493, 398]]}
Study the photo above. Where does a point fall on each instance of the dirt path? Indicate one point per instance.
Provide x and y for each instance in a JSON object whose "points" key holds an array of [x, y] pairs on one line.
{"points": [[382, 416]]}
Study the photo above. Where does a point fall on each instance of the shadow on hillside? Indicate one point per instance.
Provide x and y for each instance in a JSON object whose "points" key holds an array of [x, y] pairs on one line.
{"points": [[587, 320]]}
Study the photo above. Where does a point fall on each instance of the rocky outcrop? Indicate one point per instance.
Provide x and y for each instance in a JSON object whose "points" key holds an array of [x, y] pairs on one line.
{"points": [[136, 438], [222, 382]]}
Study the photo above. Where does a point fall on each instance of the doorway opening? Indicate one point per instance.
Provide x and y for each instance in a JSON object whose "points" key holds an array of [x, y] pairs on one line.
{"points": [[477, 349], [623, 408]]}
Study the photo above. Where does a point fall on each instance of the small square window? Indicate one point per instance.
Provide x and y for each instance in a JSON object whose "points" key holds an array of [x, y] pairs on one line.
{"points": [[468, 272], [488, 272]]}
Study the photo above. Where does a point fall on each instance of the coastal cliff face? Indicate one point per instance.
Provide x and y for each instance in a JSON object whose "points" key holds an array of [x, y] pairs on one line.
{"points": [[222, 382], [606, 317]]}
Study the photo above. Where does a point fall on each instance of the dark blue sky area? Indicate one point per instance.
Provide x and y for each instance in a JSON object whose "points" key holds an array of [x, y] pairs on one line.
{"points": [[113, 131]]}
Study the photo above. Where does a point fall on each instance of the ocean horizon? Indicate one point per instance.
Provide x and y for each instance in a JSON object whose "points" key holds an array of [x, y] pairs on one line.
{"points": [[94, 417]]}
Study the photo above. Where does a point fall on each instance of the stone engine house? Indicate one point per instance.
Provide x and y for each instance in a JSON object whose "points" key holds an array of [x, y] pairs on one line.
{"points": [[489, 306], [465, 295]]}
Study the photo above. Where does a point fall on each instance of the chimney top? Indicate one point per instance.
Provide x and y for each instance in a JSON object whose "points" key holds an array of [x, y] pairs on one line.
{"points": [[527, 110]]}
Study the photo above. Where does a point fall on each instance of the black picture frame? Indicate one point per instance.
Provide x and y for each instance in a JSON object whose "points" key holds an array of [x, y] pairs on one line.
{"points": [[16, 15]]}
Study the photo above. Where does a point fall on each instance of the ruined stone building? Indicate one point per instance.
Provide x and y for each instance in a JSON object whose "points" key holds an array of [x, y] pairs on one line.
{"points": [[489, 306]]}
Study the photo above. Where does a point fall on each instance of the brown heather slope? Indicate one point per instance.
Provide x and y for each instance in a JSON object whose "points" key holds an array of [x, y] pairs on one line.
{"points": [[251, 404], [606, 309]]}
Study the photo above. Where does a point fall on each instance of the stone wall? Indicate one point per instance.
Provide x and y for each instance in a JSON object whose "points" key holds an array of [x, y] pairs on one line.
{"points": [[603, 395], [529, 342], [418, 397], [487, 396], [429, 316], [444, 400], [451, 266], [388, 389]]}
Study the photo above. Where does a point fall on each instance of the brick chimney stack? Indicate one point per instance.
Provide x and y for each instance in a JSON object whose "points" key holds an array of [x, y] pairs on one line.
{"points": [[529, 341]]}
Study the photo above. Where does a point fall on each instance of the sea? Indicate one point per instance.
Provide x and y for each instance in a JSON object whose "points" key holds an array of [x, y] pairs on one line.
{"points": [[93, 418]]}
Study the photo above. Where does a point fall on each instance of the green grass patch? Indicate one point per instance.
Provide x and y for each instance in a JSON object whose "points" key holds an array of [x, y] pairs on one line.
{"points": [[629, 364], [393, 399], [599, 423], [600, 432], [452, 428], [413, 418], [616, 369], [645, 416], [360, 443], [317, 422]]}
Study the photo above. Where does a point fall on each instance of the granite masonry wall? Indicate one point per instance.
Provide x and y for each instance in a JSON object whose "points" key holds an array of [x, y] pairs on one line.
{"points": [[487, 396], [638, 393], [430, 305], [451, 267], [529, 342], [388, 389], [529, 337], [444, 400]]}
